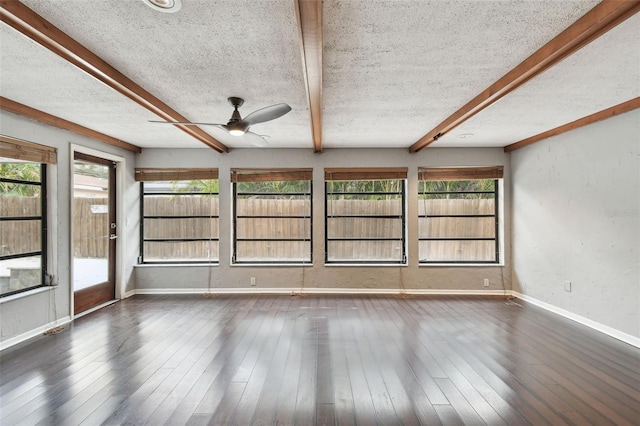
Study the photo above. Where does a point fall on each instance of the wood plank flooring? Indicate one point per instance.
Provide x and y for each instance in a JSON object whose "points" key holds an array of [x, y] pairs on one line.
{"points": [[321, 360]]}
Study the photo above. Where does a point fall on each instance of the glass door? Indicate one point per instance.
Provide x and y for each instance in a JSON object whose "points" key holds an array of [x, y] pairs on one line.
{"points": [[94, 236]]}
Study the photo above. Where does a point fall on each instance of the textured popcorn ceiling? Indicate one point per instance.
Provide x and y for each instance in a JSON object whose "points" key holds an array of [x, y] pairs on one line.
{"points": [[34, 76], [392, 70], [594, 78], [195, 59], [395, 69]]}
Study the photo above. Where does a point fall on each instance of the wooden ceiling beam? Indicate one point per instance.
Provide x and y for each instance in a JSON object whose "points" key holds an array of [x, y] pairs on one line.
{"points": [[38, 29], [309, 15], [598, 116], [592, 25], [61, 123]]}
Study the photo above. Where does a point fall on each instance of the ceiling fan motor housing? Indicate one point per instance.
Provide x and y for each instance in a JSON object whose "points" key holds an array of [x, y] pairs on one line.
{"points": [[236, 103]]}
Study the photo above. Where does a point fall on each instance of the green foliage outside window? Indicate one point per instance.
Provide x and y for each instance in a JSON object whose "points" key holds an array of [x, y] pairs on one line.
{"points": [[281, 187], [19, 171], [386, 189], [206, 186], [458, 189]]}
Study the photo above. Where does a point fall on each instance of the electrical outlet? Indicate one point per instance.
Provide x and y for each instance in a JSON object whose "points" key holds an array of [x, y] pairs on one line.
{"points": [[253, 281], [567, 286], [486, 282]]}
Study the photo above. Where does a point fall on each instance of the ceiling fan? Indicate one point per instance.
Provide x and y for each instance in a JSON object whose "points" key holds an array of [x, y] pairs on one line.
{"points": [[238, 126]]}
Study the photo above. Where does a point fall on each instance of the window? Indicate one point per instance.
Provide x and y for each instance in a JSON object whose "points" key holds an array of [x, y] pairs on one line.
{"points": [[365, 215], [458, 215], [272, 215], [179, 215], [23, 215]]}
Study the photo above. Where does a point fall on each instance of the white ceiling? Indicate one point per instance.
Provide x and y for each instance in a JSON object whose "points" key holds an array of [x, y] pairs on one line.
{"points": [[392, 70], [594, 78]]}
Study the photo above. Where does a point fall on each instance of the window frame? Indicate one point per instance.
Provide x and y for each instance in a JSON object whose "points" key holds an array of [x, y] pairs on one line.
{"points": [[368, 174], [43, 252], [272, 175], [171, 175], [463, 174]]}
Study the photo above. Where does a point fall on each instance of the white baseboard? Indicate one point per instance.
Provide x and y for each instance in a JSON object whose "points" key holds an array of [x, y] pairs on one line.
{"points": [[317, 290], [33, 333], [627, 338]]}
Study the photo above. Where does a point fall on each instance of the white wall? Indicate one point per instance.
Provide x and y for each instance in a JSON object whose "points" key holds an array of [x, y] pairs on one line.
{"points": [[575, 217], [151, 278], [27, 313]]}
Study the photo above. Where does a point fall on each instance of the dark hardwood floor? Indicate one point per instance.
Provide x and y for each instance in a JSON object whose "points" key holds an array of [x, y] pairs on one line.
{"points": [[321, 360]]}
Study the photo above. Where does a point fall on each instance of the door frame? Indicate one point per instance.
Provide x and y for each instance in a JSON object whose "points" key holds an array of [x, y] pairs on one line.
{"points": [[120, 220]]}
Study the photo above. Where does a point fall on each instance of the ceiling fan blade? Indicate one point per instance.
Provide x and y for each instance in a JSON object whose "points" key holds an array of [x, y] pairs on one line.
{"points": [[265, 114], [255, 139], [187, 123]]}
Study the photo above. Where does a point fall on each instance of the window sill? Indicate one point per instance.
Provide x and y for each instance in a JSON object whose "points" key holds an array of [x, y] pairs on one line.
{"points": [[461, 265], [26, 293], [173, 265], [269, 265], [367, 265]]}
